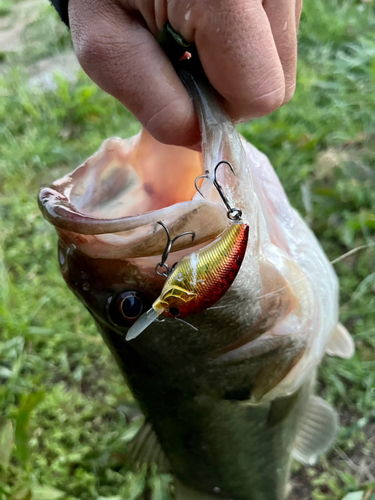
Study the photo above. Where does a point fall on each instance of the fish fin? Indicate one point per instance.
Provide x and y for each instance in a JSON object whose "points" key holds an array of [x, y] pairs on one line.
{"points": [[276, 370], [317, 431], [340, 343], [146, 449]]}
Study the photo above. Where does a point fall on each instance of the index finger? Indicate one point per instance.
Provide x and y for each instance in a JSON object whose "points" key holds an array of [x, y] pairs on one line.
{"points": [[125, 60], [237, 51]]}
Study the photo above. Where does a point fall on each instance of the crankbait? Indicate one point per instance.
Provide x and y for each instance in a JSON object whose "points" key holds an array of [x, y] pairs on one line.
{"points": [[201, 278]]}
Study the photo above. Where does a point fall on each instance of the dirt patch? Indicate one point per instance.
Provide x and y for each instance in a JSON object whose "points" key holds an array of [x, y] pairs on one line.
{"points": [[42, 72], [360, 462], [26, 26], [13, 25]]}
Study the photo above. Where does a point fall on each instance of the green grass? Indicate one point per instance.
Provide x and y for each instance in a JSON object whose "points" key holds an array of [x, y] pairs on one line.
{"points": [[65, 414]]}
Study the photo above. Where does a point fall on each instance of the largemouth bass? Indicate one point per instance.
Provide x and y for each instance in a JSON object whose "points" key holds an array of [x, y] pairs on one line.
{"points": [[228, 394]]}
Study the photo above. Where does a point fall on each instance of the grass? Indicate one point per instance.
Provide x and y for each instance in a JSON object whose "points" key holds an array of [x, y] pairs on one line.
{"points": [[65, 413]]}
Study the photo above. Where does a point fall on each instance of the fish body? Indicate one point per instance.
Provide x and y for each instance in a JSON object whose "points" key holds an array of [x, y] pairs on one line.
{"points": [[229, 402]]}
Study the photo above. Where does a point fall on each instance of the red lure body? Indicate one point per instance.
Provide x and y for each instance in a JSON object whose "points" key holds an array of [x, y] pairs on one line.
{"points": [[201, 278]]}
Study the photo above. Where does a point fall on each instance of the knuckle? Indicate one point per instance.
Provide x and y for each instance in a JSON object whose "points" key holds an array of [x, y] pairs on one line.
{"points": [[90, 48], [162, 122], [270, 101], [170, 124], [94, 30], [262, 95]]}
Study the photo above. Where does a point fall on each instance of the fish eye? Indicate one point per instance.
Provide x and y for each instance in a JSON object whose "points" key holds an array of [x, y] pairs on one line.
{"points": [[131, 306], [174, 311], [125, 308]]}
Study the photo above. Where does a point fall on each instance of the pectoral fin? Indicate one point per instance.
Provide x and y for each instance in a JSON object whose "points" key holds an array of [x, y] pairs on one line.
{"points": [[146, 449], [340, 343], [317, 431]]}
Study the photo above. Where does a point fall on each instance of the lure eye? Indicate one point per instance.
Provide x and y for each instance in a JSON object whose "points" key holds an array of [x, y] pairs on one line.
{"points": [[125, 308], [174, 311]]}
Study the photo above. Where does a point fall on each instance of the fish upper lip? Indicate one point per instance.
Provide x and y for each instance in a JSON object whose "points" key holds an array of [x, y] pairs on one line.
{"points": [[59, 211]]}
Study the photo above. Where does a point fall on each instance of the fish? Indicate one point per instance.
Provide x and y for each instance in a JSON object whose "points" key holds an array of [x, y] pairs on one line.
{"points": [[228, 394]]}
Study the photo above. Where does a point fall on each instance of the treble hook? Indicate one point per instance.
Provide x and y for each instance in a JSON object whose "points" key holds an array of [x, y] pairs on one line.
{"points": [[167, 251], [233, 213]]}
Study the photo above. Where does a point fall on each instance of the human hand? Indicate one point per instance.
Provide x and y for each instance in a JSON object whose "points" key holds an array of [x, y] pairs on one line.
{"points": [[248, 50]]}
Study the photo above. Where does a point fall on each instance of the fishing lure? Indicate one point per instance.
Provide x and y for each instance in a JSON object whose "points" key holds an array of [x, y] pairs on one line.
{"points": [[201, 278]]}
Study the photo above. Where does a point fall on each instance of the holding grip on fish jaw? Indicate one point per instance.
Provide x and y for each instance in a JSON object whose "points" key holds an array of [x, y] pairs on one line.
{"points": [[167, 251], [233, 213], [174, 45]]}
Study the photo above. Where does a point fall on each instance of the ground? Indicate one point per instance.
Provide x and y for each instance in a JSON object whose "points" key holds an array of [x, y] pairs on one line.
{"points": [[66, 415]]}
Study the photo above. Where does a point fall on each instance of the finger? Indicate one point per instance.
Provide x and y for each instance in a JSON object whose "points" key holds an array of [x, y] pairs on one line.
{"points": [[125, 60], [154, 12], [146, 9], [299, 4], [282, 18], [237, 51], [161, 13]]}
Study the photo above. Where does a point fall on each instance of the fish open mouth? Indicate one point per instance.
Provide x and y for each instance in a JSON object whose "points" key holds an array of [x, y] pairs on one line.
{"points": [[109, 206]]}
